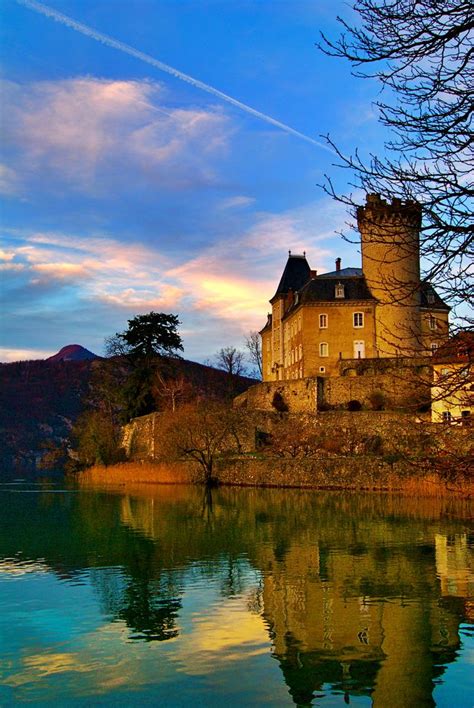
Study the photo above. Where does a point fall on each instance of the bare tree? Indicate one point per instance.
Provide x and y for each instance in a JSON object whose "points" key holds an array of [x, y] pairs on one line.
{"points": [[422, 53], [171, 391], [201, 433], [231, 360], [253, 343]]}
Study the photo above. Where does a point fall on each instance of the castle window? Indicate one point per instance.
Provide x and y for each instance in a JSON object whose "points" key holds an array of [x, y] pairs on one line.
{"points": [[323, 349], [358, 319], [323, 321], [301, 351], [322, 369], [339, 293], [446, 416], [432, 322], [434, 347], [430, 298]]}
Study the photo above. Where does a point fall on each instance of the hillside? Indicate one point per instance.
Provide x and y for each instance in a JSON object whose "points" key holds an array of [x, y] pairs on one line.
{"points": [[73, 352], [40, 400]]}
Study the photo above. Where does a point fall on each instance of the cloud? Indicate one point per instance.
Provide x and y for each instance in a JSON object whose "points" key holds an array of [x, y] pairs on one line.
{"points": [[236, 202], [94, 283], [8, 354], [95, 134], [63, 271], [235, 278], [8, 180]]}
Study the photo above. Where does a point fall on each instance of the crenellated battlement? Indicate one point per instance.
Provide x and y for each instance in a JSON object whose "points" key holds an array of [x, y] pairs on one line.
{"points": [[378, 211]]}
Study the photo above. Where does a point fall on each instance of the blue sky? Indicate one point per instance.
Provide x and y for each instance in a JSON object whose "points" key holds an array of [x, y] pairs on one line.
{"points": [[126, 189]]}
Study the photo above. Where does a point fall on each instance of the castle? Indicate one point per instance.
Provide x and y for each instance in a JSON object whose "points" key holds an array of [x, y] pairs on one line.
{"points": [[380, 311]]}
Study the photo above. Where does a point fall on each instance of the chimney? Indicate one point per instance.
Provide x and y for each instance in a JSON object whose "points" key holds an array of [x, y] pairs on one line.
{"points": [[313, 274], [338, 264]]}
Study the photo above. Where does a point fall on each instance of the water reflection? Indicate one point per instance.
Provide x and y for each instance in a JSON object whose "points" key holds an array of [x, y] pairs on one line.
{"points": [[358, 598]]}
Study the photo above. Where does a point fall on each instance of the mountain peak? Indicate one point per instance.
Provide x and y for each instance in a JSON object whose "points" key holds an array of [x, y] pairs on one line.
{"points": [[73, 352]]}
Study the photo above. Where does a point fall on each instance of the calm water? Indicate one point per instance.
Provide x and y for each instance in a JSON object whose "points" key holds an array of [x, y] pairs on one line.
{"points": [[165, 597]]}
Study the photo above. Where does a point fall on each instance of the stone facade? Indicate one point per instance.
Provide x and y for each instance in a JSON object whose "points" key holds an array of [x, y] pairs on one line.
{"points": [[452, 394], [381, 310], [375, 383]]}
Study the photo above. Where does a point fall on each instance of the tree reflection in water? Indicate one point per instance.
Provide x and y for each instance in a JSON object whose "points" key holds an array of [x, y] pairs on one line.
{"points": [[360, 595]]}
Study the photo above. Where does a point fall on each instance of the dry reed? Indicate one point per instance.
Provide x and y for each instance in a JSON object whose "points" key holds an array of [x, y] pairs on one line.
{"points": [[143, 472], [129, 473]]}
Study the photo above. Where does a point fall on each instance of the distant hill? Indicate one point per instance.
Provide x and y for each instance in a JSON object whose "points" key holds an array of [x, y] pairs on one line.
{"points": [[73, 352], [40, 401]]}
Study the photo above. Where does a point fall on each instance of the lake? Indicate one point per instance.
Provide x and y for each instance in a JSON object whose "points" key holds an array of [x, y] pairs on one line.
{"points": [[169, 596]]}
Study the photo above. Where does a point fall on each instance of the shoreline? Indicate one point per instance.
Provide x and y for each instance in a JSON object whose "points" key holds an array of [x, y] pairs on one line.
{"points": [[280, 474]]}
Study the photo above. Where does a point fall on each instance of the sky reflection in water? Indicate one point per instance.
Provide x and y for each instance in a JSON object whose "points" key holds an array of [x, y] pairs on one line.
{"points": [[267, 597]]}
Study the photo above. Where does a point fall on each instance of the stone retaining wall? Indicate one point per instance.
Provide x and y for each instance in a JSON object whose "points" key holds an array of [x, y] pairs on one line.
{"points": [[391, 384]]}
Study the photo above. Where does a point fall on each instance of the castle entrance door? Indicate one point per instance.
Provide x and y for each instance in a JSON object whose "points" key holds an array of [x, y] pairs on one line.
{"points": [[359, 349]]}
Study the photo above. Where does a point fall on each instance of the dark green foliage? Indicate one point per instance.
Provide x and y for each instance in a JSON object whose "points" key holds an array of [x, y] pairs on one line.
{"points": [[354, 405], [96, 439], [154, 334], [147, 347]]}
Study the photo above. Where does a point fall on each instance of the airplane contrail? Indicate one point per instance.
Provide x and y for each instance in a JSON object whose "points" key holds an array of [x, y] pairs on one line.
{"points": [[141, 56]]}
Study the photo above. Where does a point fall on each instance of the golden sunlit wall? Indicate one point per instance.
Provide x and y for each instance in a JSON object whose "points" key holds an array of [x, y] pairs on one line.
{"points": [[331, 331], [434, 329], [310, 340], [452, 396], [267, 355], [391, 266]]}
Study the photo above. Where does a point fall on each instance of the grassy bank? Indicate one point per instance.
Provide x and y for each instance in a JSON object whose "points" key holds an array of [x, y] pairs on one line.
{"points": [[129, 473], [337, 473]]}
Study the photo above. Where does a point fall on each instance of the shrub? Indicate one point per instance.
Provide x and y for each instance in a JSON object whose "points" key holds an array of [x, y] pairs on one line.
{"points": [[279, 403], [378, 400], [354, 405], [374, 445]]}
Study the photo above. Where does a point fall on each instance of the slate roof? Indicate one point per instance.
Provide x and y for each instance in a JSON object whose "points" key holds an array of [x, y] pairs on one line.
{"points": [[297, 272], [430, 298], [323, 288], [343, 273], [268, 324]]}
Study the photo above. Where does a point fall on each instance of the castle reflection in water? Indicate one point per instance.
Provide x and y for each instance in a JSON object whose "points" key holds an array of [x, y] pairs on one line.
{"points": [[364, 594], [352, 594]]}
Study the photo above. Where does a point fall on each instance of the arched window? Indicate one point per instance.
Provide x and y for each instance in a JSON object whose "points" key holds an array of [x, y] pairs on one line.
{"points": [[323, 349]]}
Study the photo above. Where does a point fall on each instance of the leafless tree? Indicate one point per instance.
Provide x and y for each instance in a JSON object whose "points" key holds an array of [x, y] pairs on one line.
{"points": [[254, 348], [171, 391], [422, 53], [231, 360], [201, 432]]}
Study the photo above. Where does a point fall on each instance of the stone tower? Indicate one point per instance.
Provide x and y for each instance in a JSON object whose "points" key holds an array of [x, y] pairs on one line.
{"points": [[390, 236]]}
